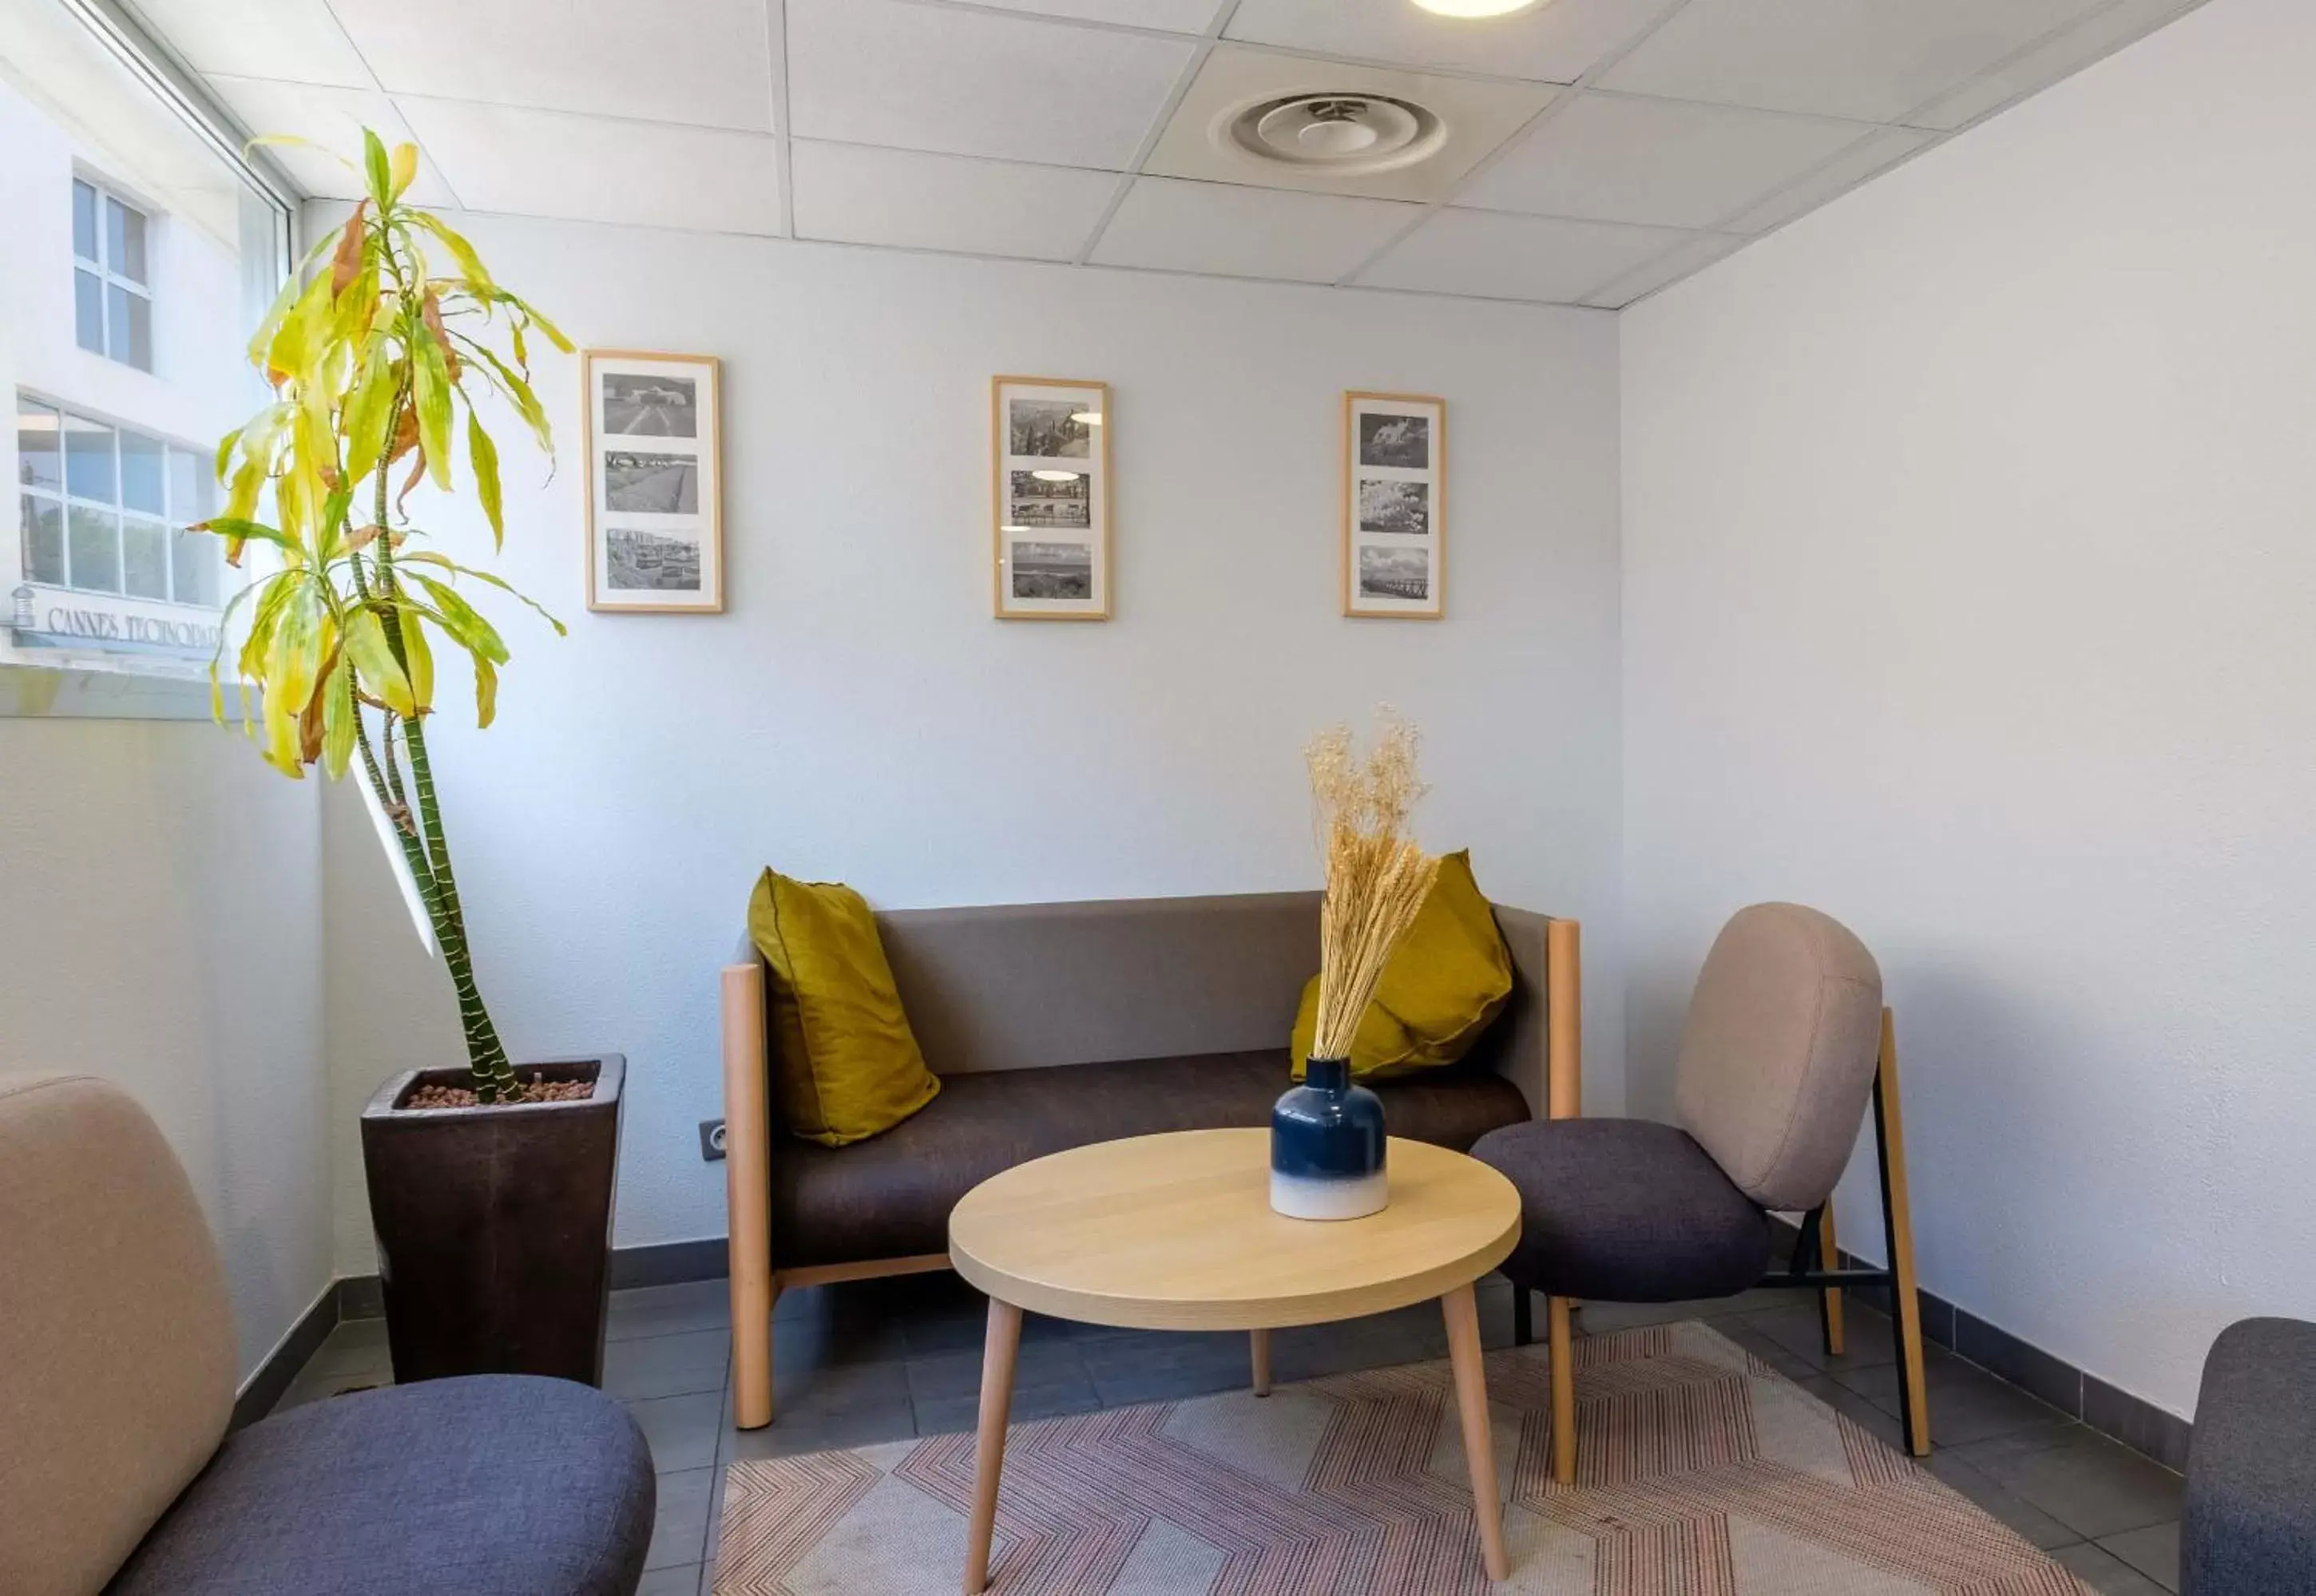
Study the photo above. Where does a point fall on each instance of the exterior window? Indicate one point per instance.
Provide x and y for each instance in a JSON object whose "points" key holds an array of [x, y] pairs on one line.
{"points": [[112, 277], [104, 508]]}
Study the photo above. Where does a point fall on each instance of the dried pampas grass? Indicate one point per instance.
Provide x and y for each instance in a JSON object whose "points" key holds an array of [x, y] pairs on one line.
{"points": [[1377, 876]]}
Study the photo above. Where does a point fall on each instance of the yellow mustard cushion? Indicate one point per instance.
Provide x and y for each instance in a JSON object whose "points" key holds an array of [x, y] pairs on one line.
{"points": [[1449, 976], [848, 1064]]}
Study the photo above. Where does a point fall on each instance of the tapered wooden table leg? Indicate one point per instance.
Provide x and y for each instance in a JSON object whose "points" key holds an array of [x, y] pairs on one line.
{"points": [[1561, 1333], [997, 1356], [1258, 1352], [1462, 1315]]}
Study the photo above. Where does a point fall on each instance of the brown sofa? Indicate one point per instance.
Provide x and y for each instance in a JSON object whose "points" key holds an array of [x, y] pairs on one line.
{"points": [[1052, 1026]]}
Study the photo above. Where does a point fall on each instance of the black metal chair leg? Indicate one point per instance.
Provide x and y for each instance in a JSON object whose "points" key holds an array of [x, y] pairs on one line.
{"points": [[1523, 1325]]}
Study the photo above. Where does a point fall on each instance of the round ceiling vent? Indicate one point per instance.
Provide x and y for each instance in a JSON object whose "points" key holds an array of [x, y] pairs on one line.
{"points": [[1349, 134]]}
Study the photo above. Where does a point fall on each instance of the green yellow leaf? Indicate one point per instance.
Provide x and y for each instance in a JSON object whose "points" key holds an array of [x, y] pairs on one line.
{"points": [[403, 167], [431, 387], [427, 557], [470, 264], [485, 456], [418, 659], [519, 394], [486, 692], [341, 718], [378, 169], [294, 663], [374, 662], [463, 622]]}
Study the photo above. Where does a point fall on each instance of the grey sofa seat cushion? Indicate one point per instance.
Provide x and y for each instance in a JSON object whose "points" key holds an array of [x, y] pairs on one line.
{"points": [[889, 1196], [492, 1486], [2250, 1524], [1624, 1210]]}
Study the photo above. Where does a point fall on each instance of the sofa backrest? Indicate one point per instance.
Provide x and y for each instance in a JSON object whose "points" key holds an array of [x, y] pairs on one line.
{"points": [[116, 1333], [1027, 984]]}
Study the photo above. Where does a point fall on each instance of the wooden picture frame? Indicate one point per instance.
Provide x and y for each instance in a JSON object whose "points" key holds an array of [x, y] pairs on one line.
{"points": [[654, 461], [1049, 498], [1395, 561]]}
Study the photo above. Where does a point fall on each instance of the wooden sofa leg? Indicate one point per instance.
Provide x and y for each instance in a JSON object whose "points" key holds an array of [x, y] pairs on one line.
{"points": [[1561, 1336], [1829, 1258], [1897, 1218], [748, 1195]]}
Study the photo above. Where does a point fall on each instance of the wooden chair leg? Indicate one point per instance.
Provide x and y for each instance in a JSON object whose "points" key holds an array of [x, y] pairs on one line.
{"points": [[1523, 1318], [1561, 1336], [747, 1185], [1829, 1256], [1259, 1355], [1897, 1219]]}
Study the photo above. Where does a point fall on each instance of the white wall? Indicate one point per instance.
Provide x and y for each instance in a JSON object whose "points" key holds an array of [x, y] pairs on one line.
{"points": [[160, 890], [858, 715], [1970, 577]]}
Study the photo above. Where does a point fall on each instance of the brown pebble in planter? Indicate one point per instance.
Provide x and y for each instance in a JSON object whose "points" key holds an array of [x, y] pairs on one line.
{"points": [[434, 1096]]}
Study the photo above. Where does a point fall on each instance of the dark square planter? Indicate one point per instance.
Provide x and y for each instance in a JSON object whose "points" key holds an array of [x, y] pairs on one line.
{"points": [[494, 1224]]}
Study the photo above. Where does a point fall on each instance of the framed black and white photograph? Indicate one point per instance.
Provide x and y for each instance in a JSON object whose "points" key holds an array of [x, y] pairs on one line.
{"points": [[1394, 555], [1049, 473], [655, 482]]}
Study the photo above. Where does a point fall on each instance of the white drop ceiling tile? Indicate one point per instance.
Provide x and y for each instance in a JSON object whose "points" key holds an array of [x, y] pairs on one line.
{"points": [[648, 175], [968, 83], [1478, 115], [1174, 16], [1617, 158], [1502, 256], [854, 194], [1871, 60], [293, 40], [707, 62], [1557, 42], [2047, 62], [332, 119], [1881, 149], [1676, 262], [1180, 225]]}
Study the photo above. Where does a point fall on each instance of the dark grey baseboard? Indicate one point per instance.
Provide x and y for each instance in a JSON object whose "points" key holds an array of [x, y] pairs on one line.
{"points": [[274, 1375], [666, 1263], [2136, 1422]]}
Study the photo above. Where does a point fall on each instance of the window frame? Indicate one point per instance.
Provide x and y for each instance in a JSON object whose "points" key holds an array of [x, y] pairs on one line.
{"points": [[109, 277], [171, 519]]}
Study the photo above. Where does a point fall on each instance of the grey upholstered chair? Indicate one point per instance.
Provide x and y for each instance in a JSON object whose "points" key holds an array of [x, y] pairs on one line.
{"points": [[2250, 1523], [116, 1387], [1786, 1043]]}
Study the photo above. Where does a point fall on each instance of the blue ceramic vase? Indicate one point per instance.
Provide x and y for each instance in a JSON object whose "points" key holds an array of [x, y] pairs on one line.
{"points": [[1327, 1146]]}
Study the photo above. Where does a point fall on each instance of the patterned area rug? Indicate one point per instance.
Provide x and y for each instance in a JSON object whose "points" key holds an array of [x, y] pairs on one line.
{"points": [[1702, 1472]]}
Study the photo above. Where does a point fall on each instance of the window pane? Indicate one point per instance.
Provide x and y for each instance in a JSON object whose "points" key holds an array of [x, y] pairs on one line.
{"points": [[39, 456], [88, 312], [44, 540], [193, 490], [124, 240], [145, 551], [88, 460], [83, 221], [132, 327], [196, 556], [141, 474], [95, 550]]}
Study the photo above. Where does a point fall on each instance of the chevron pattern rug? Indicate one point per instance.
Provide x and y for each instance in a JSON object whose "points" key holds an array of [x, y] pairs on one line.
{"points": [[1702, 1472]]}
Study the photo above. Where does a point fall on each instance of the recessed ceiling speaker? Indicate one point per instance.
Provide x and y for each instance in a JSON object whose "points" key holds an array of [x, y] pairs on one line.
{"points": [[1350, 134]]}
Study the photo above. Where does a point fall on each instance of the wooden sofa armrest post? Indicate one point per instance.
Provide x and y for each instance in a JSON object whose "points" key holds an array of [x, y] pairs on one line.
{"points": [[1564, 1011], [748, 1192]]}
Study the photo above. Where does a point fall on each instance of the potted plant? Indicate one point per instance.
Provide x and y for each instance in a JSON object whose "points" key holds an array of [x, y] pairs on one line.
{"points": [[490, 1184]]}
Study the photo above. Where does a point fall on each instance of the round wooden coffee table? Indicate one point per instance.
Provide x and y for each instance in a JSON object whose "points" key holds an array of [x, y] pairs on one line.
{"points": [[1176, 1232]]}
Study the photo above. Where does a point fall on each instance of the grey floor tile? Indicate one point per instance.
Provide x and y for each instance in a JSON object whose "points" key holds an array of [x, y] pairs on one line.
{"points": [[682, 1431], [1308, 1351], [2105, 1573], [680, 1526], [946, 1414], [1843, 1400], [683, 1579], [1966, 1403], [1035, 1365], [1793, 1326], [715, 1537], [312, 1384], [2034, 1525], [1775, 1354], [2153, 1551], [1167, 1368], [799, 1385], [667, 1365], [836, 1339], [669, 1310], [858, 1423], [2093, 1485]]}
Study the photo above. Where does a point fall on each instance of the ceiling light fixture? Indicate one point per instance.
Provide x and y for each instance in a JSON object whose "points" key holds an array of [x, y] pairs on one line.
{"points": [[1474, 8]]}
